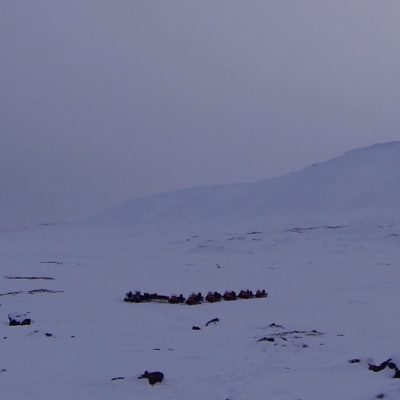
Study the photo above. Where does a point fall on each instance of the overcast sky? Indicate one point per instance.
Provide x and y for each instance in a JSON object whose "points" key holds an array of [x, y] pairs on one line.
{"points": [[105, 100]]}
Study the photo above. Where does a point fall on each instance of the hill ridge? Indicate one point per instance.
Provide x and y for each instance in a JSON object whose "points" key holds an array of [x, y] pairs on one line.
{"points": [[361, 181]]}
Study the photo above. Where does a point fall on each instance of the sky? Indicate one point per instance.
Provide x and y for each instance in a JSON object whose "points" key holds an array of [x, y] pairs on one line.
{"points": [[102, 101]]}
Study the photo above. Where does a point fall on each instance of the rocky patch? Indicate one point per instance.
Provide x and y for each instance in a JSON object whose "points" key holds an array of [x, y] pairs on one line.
{"points": [[19, 319], [281, 337]]}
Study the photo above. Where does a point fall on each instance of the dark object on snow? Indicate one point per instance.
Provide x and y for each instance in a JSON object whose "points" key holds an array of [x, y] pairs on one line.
{"points": [[19, 319], [212, 321], [11, 293], [30, 277], [133, 297], [48, 334], [196, 328], [51, 262], [138, 297], [274, 325], [177, 299], [378, 368], [354, 361], [213, 297], [153, 377], [35, 291], [159, 298], [194, 299], [230, 296], [386, 364], [266, 339], [246, 294], [147, 297], [117, 378]]}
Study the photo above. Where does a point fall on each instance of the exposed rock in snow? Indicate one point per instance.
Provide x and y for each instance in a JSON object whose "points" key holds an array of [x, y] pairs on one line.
{"points": [[19, 319]]}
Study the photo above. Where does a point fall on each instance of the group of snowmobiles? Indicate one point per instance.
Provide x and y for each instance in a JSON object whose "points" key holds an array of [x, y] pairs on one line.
{"points": [[194, 298]]}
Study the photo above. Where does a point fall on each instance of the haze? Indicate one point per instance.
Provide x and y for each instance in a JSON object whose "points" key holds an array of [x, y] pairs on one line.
{"points": [[101, 101]]}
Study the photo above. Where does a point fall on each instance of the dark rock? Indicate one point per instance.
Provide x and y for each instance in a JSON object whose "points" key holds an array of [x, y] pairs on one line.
{"points": [[386, 364], [19, 319], [196, 328], [274, 325], [36, 291], [212, 321], [11, 293], [153, 377], [46, 278], [51, 262], [396, 374], [266, 339], [378, 368]]}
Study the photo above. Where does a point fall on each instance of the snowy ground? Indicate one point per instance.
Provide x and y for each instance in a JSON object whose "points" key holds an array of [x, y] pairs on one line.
{"points": [[344, 283]]}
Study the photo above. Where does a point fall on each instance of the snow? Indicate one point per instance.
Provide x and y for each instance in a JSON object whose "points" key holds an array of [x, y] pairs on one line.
{"points": [[357, 184], [333, 271]]}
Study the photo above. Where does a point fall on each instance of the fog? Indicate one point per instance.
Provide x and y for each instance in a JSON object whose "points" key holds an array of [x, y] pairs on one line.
{"points": [[101, 101]]}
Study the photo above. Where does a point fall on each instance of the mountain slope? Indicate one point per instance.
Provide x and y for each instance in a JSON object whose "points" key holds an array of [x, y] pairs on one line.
{"points": [[359, 183]]}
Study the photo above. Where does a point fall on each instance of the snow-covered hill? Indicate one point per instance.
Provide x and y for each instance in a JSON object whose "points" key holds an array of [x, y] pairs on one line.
{"points": [[360, 183]]}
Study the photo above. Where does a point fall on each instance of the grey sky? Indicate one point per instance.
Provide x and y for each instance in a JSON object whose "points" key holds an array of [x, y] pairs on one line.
{"points": [[105, 100]]}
